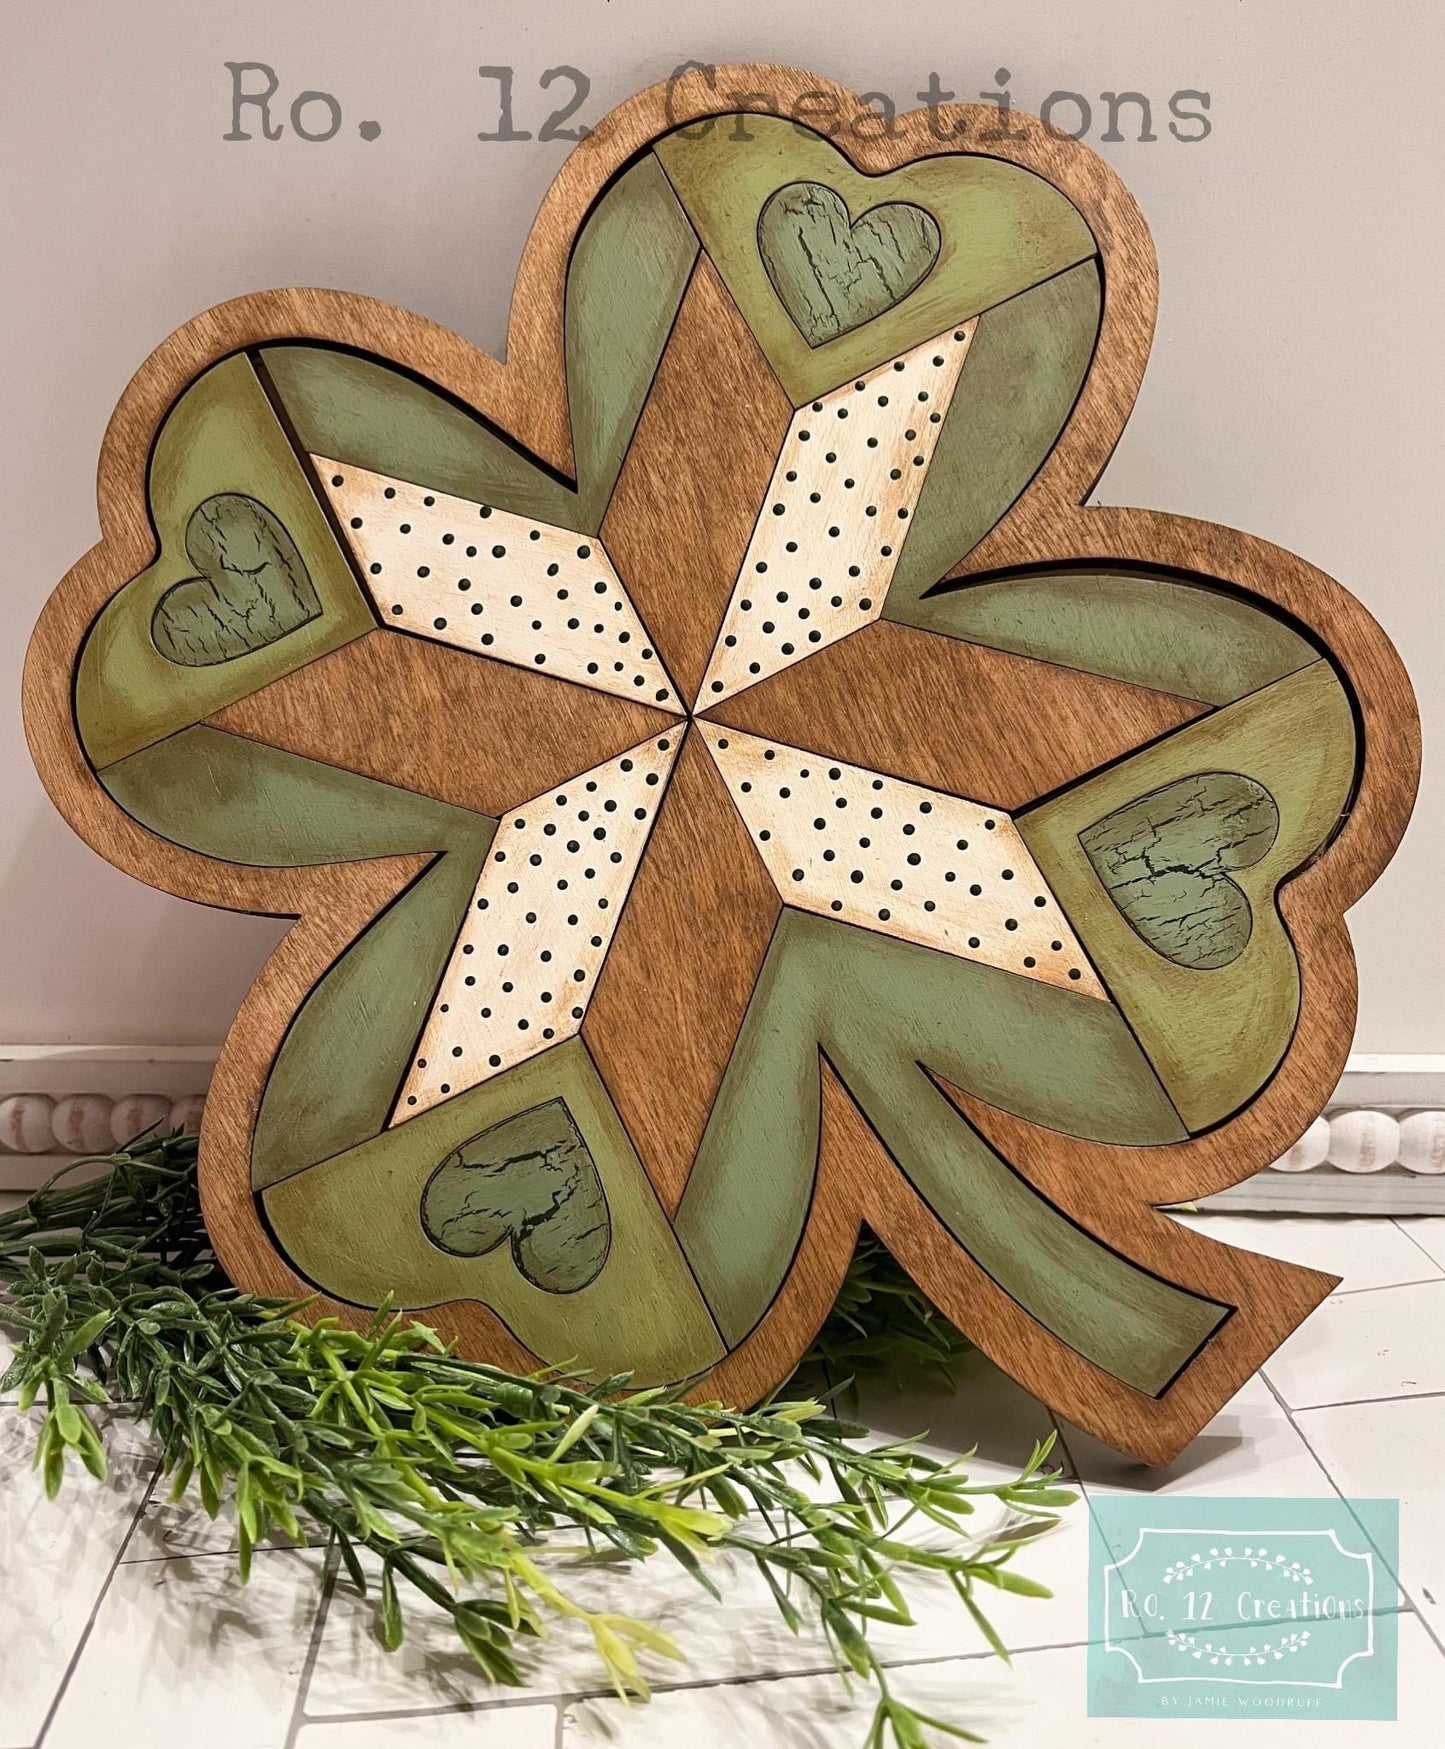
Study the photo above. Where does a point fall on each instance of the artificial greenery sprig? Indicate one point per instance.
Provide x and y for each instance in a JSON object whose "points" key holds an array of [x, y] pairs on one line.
{"points": [[457, 1479]]}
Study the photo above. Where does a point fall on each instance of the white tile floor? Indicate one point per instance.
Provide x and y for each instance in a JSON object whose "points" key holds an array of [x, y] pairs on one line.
{"points": [[121, 1619]]}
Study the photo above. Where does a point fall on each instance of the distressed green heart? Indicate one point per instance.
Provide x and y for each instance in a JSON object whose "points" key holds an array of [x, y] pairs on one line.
{"points": [[1165, 860], [532, 1179], [252, 587], [834, 273]]}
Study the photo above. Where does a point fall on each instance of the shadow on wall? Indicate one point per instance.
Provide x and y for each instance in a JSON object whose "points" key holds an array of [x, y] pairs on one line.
{"points": [[83, 939]]}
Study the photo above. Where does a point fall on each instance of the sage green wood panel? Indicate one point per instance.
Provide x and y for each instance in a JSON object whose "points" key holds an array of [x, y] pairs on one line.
{"points": [[881, 1008], [243, 802], [353, 1226], [347, 1050], [1017, 389], [220, 438], [1214, 1036], [369, 414], [624, 285], [832, 273], [1002, 229], [1181, 637], [1168, 862]]}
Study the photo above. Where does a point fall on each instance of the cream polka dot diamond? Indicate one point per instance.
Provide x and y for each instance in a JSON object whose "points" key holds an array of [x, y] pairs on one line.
{"points": [[539, 925], [495, 583], [828, 536], [899, 859]]}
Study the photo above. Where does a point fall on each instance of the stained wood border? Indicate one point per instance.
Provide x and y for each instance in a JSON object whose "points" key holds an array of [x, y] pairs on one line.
{"points": [[527, 397]]}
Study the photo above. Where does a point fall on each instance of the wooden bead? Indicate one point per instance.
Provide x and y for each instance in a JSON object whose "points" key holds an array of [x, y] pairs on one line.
{"points": [[186, 1113], [138, 1114], [25, 1123], [1422, 1141], [1309, 1151], [1364, 1141], [81, 1124]]}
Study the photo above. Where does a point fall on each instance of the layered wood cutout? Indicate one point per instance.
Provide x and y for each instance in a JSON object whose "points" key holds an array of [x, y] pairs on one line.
{"points": [[730, 789]]}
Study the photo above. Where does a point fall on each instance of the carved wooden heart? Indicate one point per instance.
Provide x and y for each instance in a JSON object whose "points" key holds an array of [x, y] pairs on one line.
{"points": [[1165, 860], [834, 273], [252, 587]]}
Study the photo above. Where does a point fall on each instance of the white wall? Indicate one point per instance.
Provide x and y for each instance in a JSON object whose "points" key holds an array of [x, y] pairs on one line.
{"points": [[1295, 388]]}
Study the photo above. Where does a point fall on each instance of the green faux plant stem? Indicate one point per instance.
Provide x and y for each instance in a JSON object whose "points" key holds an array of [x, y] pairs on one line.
{"points": [[457, 1478]]}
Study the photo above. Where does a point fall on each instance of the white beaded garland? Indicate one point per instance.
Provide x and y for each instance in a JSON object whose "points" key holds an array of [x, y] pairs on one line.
{"points": [[1356, 1141]]}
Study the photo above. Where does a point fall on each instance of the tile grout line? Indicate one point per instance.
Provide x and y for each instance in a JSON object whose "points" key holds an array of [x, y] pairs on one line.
{"points": [[1384, 1287], [512, 1702], [1352, 1402], [330, 1569], [1413, 1607], [1414, 1241], [95, 1608]]}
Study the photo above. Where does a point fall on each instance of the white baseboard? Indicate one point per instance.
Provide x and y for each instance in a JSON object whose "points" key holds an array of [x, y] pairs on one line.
{"points": [[1379, 1148]]}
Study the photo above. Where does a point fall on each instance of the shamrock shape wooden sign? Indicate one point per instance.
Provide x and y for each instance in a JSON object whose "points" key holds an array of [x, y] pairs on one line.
{"points": [[729, 788]]}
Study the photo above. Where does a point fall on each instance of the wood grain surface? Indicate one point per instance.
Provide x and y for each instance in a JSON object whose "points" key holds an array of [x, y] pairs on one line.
{"points": [[665, 1016], [694, 477], [957, 717], [496, 734]]}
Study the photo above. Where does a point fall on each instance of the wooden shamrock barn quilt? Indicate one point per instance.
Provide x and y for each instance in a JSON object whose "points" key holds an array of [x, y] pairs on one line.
{"points": [[729, 788]]}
